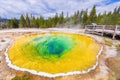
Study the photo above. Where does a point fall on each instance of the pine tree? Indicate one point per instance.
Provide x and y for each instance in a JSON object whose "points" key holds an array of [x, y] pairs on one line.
{"points": [[93, 16], [85, 18], [32, 21], [61, 18], [66, 18], [41, 22], [37, 23], [27, 21], [99, 17], [78, 17], [22, 22], [78, 13], [81, 15], [56, 19], [74, 18], [13, 23]]}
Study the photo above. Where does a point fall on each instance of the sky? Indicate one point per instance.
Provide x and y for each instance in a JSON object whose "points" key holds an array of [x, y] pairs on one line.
{"points": [[48, 8]]}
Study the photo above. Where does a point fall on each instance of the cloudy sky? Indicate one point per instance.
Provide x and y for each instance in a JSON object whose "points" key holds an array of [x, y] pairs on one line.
{"points": [[47, 8]]}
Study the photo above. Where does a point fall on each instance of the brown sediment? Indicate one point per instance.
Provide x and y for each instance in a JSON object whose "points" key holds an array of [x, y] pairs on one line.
{"points": [[114, 65]]}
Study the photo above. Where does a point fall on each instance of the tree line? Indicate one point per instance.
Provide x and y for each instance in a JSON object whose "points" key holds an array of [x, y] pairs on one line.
{"points": [[82, 17]]}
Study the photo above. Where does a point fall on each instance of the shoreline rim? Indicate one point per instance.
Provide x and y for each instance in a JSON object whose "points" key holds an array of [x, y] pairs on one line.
{"points": [[45, 74]]}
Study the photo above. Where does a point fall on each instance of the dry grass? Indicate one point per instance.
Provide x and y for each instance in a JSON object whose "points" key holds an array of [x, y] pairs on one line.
{"points": [[108, 42], [25, 77], [118, 47]]}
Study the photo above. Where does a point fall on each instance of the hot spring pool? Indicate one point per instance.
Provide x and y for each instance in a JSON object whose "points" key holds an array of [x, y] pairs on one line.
{"points": [[54, 53]]}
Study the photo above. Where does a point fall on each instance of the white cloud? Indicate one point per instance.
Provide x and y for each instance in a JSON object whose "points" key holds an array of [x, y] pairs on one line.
{"points": [[14, 8], [109, 7]]}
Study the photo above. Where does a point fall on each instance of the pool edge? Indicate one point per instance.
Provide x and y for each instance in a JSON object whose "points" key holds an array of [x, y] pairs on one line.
{"points": [[45, 74]]}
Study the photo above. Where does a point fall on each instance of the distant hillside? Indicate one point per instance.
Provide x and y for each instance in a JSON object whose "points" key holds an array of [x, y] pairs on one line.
{"points": [[3, 20]]}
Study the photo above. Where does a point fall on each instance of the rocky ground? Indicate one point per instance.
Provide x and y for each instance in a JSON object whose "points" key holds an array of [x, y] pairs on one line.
{"points": [[109, 60]]}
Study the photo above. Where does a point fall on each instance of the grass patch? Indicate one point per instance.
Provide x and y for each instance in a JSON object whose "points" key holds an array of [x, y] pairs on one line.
{"points": [[118, 47], [108, 42], [25, 77]]}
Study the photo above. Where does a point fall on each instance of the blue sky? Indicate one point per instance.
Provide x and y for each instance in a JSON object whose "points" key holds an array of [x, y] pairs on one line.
{"points": [[112, 1], [48, 8]]}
